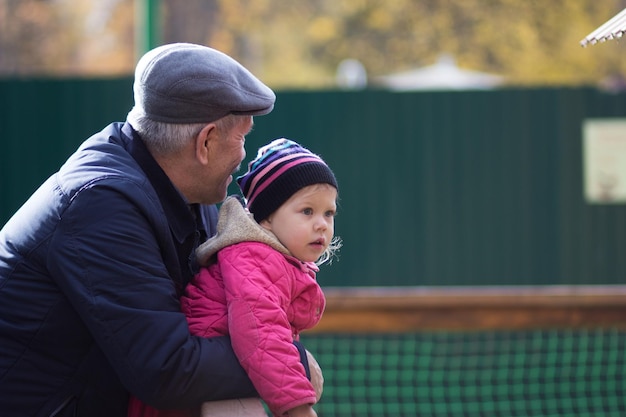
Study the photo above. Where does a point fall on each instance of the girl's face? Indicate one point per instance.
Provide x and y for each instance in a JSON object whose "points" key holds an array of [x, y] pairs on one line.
{"points": [[305, 224]]}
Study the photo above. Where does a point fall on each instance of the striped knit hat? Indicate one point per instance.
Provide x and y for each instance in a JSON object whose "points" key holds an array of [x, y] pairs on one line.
{"points": [[279, 170]]}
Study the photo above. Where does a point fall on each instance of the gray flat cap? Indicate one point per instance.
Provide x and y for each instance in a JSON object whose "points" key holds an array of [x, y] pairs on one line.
{"points": [[187, 83]]}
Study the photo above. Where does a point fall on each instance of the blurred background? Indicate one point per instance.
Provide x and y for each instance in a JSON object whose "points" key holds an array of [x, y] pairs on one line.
{"points": [[302, 44], [481, 156], [455, 127]]}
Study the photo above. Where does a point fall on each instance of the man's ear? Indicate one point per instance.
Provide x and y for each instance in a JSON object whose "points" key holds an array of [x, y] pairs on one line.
{"points": [[204, 142]]}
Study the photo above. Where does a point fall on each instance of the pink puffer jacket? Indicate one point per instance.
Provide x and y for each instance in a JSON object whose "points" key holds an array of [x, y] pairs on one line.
{"points": [[263, 298]]}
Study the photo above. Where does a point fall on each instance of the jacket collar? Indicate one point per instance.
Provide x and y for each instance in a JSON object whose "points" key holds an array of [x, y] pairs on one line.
{"points": [[236, 225], [179, 214]]}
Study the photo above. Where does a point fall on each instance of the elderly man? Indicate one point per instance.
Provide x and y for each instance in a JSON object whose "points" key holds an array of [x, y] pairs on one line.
{"points": [[93, 265]]}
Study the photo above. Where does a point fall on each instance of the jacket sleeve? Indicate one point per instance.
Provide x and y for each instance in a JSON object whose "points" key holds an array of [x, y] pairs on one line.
{"points": [[107, 255], [258, 291]]}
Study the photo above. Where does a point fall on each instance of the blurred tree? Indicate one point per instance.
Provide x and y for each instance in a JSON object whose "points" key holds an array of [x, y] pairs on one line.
{"points": [[530, 42], [65, 37], [300, 44], [189, 21], [23, 41]]}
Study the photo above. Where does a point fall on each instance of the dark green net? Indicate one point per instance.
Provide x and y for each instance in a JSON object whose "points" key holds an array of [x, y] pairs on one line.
{"points": [[547, 373]]}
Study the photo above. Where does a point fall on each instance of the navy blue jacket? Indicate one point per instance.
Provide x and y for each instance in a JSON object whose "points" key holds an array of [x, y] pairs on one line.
{"points": [[91, 270]]}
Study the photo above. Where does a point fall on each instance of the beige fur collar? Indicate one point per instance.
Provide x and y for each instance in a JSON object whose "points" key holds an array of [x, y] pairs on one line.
{"points": [[235, 224]]}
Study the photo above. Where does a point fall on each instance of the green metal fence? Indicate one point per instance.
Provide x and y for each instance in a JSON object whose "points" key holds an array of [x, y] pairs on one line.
{"points": [[436, 188]]}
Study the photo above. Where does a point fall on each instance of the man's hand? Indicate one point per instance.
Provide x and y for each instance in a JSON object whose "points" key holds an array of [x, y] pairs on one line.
{"points": [[317, 379], [304, 410]]}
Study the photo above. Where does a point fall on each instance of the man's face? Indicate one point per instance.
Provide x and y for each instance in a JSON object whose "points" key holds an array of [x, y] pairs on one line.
{"points": [[226, 156]]}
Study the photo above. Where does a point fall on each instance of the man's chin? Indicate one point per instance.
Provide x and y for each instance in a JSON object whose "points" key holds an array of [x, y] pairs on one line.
{"points": [[215, 198]]}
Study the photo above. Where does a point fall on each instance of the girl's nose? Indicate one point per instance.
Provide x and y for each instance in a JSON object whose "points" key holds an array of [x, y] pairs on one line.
{"points": [[322, 223]]}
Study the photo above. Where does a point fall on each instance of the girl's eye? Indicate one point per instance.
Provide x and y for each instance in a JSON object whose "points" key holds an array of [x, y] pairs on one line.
{"points": [[307, 211], [330, 214]]}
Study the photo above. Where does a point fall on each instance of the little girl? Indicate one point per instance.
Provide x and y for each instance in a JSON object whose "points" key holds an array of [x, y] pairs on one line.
{"points": [[257, 283]]}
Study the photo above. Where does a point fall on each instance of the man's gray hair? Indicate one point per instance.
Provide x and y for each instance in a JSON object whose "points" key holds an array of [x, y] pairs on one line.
{"points": [[167, 138]]}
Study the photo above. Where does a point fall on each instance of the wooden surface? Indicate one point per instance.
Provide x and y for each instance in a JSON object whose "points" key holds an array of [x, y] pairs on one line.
{"points": [[402, 309]]}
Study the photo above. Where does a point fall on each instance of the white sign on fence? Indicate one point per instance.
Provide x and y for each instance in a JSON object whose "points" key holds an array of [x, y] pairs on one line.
{"points": [[604, 155]]}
